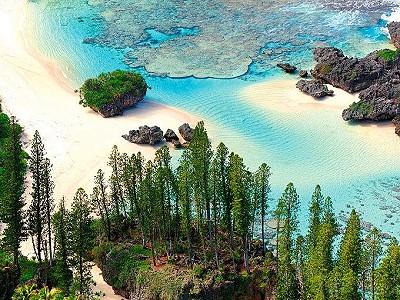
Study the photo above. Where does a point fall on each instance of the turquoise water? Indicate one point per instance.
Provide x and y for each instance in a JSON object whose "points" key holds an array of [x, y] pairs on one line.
{"points": [[231, 45]]}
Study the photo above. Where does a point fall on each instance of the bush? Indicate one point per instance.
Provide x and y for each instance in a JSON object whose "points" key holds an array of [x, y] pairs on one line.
{"points": [[362, 107], [110, 87], [388, 55]]}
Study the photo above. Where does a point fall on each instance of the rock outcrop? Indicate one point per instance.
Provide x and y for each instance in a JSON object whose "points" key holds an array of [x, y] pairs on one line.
{"points": [[117, 107], [303, 73], [394, 31], [314, 88], [186, 132], [145, 135], [288, 68], [396, 122], [170, 136], [349, 73]]}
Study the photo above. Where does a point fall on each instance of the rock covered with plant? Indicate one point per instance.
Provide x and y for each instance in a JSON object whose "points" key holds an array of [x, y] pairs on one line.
{"points": [[111, 93], [376, 77]]}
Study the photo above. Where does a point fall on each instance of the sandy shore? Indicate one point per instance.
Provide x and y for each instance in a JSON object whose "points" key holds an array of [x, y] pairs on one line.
{"points": [[77, 140], [283, 97]]}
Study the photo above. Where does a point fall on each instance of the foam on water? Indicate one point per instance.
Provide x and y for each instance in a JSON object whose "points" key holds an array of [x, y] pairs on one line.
{"points": [[161, 37]]}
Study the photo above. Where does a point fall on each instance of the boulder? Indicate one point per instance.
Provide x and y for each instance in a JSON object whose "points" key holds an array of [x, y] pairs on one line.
{"points": [[314, 88], [170, 136], [303, 73], [396, 122], [394, 31], [145, 135], [186, 132], [177, 144], [288, 68], [349, 73], [119, 105]]}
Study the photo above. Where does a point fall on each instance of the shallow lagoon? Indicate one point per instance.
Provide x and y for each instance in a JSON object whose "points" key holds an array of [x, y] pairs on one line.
{"points": [[243, 40]]}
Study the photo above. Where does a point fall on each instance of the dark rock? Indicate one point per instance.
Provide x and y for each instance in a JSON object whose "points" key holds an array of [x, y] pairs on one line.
{"points": [[379, 102], [396, 122], [394, 31], [186, 132], [314, 88], [303, 74], [177, 144], [118, 106], [145, 135], [348, 73], [170, 136], [288, 68]]}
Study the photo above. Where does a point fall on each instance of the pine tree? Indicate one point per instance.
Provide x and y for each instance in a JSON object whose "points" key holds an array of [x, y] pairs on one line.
{"points": [[315, 217], [238, 182], [349, 261], [62, 240], [12, 188], [117, 193], [37, 212], [185, 193], [101, 202], [262, 188], [388, 274], [48, 188], [371, 253], [200, 155], [286, 212], [82, 238]]}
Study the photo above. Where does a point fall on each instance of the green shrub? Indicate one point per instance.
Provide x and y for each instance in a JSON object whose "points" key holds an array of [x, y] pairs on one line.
{"points": [[109, 87], [388, 55], [362, 107], [325, 68]]}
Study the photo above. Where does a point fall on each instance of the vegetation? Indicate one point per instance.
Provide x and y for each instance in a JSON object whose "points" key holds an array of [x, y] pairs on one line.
{"points": [[187, 232], [388, 55], [110, 87], [325, 69], [361, 107]]}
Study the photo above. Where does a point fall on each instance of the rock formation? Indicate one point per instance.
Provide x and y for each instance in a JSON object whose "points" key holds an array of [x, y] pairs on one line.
{"points": [[186, 132], [394, 31], [288, 68], [170, 136], [314, 88], [303, 73], [117, 107], [145, 135]]}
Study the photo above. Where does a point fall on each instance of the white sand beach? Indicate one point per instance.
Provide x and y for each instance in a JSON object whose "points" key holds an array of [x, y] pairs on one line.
{"points": [[77, 140]]}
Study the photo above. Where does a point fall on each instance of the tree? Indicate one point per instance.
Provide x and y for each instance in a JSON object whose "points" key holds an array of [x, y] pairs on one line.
{"points": [[262, 188], [37, 212], [388, 274], [12, 186], [315, 218], [200, 155], [287, 210], [62, 240], [349, 261], [82, 237], [117, 194], [48, 188], [372, 251], [239, 178], [101, 203]]}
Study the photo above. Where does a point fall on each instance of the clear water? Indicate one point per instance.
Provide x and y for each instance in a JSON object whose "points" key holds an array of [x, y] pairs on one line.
{"points": [[232, 44]]}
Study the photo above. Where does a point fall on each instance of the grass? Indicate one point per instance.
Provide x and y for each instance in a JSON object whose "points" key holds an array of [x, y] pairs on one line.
{"points": [[325, 69], [388, 55], [109, 87]]}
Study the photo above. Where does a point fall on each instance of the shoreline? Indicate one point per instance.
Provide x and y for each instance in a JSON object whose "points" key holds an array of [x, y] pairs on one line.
{"points": [[35, 91]]}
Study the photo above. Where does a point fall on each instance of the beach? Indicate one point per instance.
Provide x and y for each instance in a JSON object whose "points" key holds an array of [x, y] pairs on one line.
{"points": [[78, 141]]}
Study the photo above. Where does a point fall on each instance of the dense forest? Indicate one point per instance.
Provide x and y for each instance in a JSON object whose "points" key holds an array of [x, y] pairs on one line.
{"points": [[205, 227]]}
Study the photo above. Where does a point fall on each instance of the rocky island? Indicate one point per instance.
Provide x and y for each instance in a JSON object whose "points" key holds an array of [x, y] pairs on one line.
{"points": [[110, 93], [375, 77]]}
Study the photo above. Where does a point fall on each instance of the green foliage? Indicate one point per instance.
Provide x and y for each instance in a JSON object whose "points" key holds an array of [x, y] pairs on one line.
{"points": [[31, 292], [388, 55], [109, 87], [362, 107], [325, 68]]}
